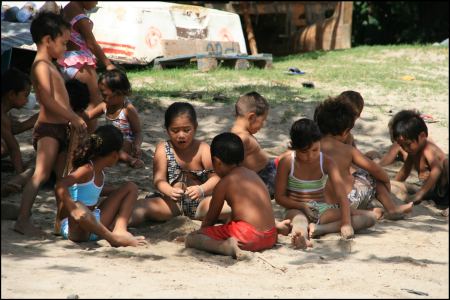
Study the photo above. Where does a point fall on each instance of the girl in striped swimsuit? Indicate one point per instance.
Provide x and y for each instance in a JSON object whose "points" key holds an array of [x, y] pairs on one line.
{"points": [[299, 187], [120, 112]]}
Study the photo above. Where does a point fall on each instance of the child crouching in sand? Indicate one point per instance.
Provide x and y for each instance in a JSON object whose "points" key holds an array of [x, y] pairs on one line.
{"points": [[300, 185], [80, 217], [252, 227]]}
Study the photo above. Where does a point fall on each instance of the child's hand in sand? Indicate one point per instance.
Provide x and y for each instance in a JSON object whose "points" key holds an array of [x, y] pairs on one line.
{"points": [[415, 198], [347, 231], [195, 192]]}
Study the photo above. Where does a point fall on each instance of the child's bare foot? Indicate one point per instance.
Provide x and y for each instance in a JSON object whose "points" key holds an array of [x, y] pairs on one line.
{"points": [[180, 239], [300, 242], [399, 212], [283, 227], [137, 163], [378, 212], [125, 238], [133, 241], [445, 212], [234, 251], [27, 228]]}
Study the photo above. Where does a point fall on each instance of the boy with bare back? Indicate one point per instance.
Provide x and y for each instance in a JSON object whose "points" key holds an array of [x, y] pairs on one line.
{"points": [[251, 112], [50, 33], [252, 225], [411, 133], [335, 120]]}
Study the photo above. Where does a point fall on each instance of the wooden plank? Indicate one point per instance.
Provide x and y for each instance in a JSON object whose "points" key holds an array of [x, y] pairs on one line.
{"points": [[207, 62], [196, 46]]}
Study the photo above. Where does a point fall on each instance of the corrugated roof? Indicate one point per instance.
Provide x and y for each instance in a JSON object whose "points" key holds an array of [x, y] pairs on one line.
{"points": [[16, 35]]}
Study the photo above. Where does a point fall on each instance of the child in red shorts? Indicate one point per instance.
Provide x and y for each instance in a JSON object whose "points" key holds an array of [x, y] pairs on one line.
{"points": [[252, 226]]}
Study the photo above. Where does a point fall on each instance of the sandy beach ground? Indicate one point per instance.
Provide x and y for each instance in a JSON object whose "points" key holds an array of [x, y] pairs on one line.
{"points": [[393, 259]]}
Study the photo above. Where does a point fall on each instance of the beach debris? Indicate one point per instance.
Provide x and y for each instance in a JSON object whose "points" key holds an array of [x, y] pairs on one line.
{"points": [[408, 78], [282, 269], [416, 292], [295, 71], [308, 84], [220, 97], [188, 95]]}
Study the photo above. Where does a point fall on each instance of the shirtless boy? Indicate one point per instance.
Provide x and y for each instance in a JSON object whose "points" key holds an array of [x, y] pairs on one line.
{"points": [[411, 133], [252, 225], [251, 112], [50, 33], [335, 120]]}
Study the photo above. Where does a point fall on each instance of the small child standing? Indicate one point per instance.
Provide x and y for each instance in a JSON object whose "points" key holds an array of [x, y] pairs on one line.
{"points": [[300, 188], [182, 171], [80, 61], [120, 112], [411, 133], [252, 110], [252, 226], [80, 215], [50, 33]]}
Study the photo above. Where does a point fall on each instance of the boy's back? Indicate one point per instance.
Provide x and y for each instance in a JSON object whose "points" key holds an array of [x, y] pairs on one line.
{"points": [[255, 157], [342, 154], [248, 198]]}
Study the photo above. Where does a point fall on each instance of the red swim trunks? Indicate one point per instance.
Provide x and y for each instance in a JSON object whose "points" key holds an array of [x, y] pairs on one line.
{"points": [[252, 239]]}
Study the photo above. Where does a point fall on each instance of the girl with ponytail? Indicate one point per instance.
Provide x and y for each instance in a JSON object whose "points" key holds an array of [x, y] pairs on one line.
{"points": [[80, 216]]}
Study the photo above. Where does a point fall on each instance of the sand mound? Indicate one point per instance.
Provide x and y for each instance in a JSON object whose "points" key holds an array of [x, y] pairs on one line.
{"points": [[176, 227]]}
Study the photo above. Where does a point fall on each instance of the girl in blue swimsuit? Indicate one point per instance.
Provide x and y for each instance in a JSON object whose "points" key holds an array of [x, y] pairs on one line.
{"points": [[80, 216]]}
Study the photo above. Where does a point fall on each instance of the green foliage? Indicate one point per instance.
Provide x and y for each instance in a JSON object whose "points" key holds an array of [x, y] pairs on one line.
{"points": [[391, 22]]}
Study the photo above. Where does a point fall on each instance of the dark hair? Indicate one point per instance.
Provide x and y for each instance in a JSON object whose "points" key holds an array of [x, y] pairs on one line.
{"points": [[105, 140], [251, 102], [354, 99], [408, 124], [228, 147], [78, 95], [14, 80], [180, 108], [47, 23], [334, 117], [117, 81], [304, 133]]}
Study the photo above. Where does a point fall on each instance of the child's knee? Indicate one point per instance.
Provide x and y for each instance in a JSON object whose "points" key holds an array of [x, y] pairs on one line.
{"points": [[131, 187], [40, 177], [370, 219]]}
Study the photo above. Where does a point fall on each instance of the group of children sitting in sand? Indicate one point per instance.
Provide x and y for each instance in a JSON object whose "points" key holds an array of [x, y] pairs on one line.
{"points": [[324, 183]]}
